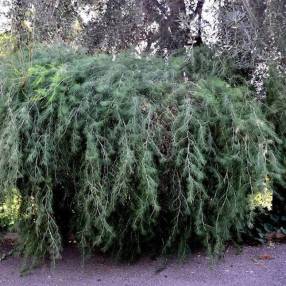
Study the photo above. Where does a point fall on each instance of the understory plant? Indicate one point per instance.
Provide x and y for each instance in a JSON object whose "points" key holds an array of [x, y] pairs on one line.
{"points": [[127, 153]]}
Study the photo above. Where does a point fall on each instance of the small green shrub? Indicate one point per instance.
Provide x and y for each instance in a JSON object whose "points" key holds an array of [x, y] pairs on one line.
{"points": [[9, 210], [127, 153], [7, 44]]}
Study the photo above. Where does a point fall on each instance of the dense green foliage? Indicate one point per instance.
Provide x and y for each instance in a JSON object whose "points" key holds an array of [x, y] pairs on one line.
{"points": [[276, 113], [127, 153], [271, 223]]}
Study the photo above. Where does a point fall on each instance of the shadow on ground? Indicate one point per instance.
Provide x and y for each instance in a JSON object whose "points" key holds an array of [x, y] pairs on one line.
{"points": [[263, 266]]}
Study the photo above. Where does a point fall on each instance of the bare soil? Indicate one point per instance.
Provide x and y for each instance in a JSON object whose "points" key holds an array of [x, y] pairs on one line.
{"points": [[261, 266]]}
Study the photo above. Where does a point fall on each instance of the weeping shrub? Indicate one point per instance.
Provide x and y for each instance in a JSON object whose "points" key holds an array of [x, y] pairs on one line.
{"points": [[128, 153], [275, 221], [231, 157]]}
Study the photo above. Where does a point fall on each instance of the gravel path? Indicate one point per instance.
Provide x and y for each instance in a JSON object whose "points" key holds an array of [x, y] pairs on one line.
{"points": [[261, 266]]}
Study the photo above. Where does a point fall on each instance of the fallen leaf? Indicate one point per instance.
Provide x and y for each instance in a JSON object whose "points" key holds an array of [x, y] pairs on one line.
{"points": [[265, 257]]}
